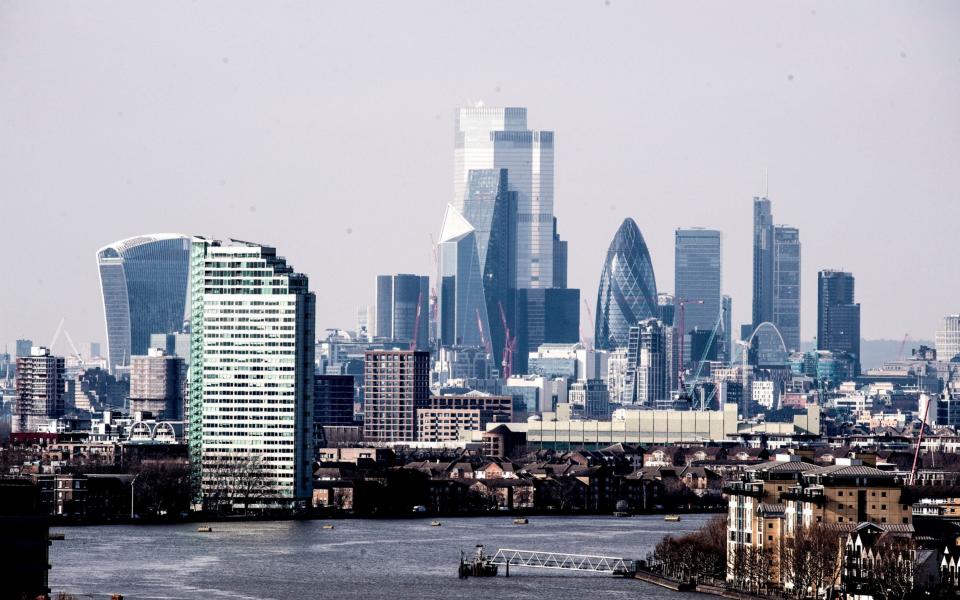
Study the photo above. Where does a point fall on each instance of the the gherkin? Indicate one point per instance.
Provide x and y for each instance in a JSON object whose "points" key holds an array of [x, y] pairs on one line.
{"points": [[628, 288]]}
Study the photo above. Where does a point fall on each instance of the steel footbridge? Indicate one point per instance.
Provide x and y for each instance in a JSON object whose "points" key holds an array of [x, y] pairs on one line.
{"points": [[508, 557]]}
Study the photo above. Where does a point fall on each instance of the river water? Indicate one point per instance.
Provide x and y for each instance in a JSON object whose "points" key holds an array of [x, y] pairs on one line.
{"points": [[368, 559]]}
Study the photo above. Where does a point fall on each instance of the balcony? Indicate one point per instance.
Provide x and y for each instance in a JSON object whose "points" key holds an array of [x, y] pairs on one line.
{"points": [[744, 488]]}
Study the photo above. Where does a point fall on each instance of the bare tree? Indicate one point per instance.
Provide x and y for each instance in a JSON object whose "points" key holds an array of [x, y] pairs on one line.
{"points": [[894, 572], [230, 481], [811, 560]]}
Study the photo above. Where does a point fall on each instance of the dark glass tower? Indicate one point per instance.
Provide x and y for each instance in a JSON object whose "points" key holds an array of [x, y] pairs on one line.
{"points": [[628, 288], [144, 284], [396, 310], [838, 316], [491, 208], [762, 262], [786, 284]]}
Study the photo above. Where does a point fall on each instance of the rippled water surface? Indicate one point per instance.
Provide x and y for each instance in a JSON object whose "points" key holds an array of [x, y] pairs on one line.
{"points": [[367, 559]]}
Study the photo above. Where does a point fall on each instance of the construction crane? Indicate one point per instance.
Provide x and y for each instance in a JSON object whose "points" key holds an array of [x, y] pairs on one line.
{"points": [[916, 453], [483, 340], [509, 345], [681, 308], [903, 345], [416, 323], [586, 305]]}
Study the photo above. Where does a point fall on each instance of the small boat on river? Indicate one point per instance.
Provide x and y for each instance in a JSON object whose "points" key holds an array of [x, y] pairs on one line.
{"points": [[673, 518]]}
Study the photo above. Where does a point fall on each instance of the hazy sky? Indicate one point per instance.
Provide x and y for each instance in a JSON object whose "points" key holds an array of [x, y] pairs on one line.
{"points": [[326, 130]]}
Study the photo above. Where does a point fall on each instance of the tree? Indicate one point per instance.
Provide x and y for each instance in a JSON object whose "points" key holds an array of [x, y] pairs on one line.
{"points": [[229, 481], [894, 572], [810, 560]]}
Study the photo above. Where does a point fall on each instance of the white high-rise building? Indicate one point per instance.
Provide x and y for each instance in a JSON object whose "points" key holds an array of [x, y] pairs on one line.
{"points": [[251, 376], [498, 138], [948, 338]]}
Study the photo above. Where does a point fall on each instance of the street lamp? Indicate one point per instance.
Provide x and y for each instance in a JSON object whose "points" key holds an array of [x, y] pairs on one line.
{"points": [[132, 481]]}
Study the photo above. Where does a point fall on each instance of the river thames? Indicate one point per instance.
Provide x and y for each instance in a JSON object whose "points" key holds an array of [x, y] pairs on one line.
{"points": [[370, 559]]}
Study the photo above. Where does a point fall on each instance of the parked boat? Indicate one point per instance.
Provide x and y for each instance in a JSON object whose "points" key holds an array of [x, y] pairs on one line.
{"points": [[621, 513], [328, 526], [672, 518], [56, 536], [205, 529], [481, 565], [521, 521], [435, 523]]}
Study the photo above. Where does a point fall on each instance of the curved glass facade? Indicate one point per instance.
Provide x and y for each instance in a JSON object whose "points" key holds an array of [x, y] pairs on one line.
{"points": [[628, 288], [144, 284]]}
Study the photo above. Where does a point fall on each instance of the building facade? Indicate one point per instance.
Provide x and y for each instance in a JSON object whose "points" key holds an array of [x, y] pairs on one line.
{"points": [[786, 284], [699, 260], [498, 138], [143, 281], [763, 261], [648, 363], [628, 288], [948, 339], [462, 302], [838, 316], [40, 390], [157, 384], [251, 375], [395, 384], [402, 309]]}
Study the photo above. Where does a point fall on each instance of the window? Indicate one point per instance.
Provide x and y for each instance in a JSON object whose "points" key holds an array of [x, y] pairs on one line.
{"points": [[883, 494], [883, 507], [769, 525], [839, 519]]}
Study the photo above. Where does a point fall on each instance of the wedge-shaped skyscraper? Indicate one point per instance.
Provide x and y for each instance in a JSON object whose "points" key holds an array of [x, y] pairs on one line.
{"points": [[144, 284], [463, 307], [628, 288]]}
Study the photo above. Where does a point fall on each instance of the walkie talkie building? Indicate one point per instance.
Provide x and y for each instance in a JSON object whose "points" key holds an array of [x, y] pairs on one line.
{"points": [[144, 284]]}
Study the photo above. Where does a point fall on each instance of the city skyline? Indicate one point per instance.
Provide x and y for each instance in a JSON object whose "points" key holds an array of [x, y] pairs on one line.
{"points": [[895, 73]]}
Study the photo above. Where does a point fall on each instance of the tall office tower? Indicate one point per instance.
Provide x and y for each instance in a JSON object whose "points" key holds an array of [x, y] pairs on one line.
{"points": [[403, 307], [648, 374], [628, 288], [838, 317], [666, 308], [395, 384], [23, 348], [948, 338], [727, 307], [463, 307], [698, 282], [144, 284], [498, 138], [174, 344], [252, 340], [763, 258], [550, 316], [786, 284], [157, 384], [491, 209], [40, 390], [560, 250]]}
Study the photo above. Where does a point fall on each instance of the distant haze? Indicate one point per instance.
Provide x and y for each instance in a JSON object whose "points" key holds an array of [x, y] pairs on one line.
{"points": [[326, 129]]}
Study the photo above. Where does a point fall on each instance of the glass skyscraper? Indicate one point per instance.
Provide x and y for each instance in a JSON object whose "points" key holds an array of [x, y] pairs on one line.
{"points": [[251, 375], [498, 138], [697, 276], [491, 209], [143, 280], [628, 288], [762, 262], [786, 284], [463, 307], [397, 302], [838, 316]]}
